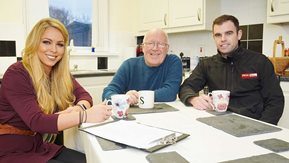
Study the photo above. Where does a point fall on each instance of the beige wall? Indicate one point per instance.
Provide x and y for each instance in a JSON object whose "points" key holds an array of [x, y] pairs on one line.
{"points": [[123, 22]]}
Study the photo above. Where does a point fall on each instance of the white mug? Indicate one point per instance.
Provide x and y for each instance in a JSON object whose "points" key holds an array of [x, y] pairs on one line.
{"points": [[220, 100], [120, 105], [146, 99]]}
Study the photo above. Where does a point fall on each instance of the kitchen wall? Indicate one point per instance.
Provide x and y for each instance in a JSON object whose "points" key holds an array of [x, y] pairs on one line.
{"points": [[248, 12], [14, 24], [122, 24], [123, 21]]}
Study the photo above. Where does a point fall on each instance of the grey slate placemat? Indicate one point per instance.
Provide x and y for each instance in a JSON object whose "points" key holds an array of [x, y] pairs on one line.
{"points": [[218, 113], [266, 158], [128, 118], [107, 145], [275, 145], [237, 125], [158, 108], [166, 157]]}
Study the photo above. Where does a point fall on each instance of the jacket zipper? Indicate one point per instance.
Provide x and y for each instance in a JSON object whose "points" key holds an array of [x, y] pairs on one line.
{"points": [[232, 76]]}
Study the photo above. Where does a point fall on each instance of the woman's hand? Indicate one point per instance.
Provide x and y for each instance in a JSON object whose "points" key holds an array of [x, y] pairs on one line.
{"points": [[98, 113]]}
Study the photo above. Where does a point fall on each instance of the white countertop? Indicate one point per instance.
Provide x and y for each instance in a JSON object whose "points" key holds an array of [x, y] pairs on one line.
{"points": [[87, 73], [93, 73], [77, 72]]}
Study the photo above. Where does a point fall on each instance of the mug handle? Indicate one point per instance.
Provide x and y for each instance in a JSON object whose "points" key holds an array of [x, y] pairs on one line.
{"points": [[213, 106], [108, 102]]}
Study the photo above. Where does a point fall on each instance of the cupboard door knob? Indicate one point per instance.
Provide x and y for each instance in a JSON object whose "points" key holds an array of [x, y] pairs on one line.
{"points": [[199, 14], [165, 19], [272, 6]]}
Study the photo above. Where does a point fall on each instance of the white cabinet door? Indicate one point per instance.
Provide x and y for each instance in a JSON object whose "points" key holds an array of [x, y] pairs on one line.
{"points": [[185, 12], [277, 11], [153, 14], [178, 15], [94, 86], [284, 121]]}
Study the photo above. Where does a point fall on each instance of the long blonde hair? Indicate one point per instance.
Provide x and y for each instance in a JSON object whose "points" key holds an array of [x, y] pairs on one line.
{"points": [[54, 91]]}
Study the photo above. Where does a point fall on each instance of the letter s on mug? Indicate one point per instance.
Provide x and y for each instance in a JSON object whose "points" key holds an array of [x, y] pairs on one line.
{"points": [[141, 100]]}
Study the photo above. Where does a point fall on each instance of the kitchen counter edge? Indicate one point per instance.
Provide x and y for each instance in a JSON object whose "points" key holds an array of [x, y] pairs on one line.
{"points": [[84, 75]]}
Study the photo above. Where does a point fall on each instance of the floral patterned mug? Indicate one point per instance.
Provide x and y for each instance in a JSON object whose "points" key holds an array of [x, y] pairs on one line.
{"points": [[220, 100], [120, 105]]}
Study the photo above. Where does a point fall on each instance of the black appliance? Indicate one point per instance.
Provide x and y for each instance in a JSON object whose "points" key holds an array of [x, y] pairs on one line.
{"points": [[101, 63], [186, 62]]}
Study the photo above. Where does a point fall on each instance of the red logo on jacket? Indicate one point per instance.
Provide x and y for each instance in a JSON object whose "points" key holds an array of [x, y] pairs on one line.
{"points": [[249, 76]]}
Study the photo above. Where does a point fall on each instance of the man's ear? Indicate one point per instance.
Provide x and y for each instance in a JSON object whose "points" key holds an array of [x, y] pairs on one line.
{"points": [[240, 32]]}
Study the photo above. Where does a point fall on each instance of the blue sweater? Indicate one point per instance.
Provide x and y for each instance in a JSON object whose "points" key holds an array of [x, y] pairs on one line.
{"points": [[134, 74]]}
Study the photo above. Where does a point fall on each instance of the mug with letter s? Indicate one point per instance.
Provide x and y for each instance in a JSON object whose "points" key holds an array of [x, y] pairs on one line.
{"points": [[146, 99], [120, 105], [220, 100]]}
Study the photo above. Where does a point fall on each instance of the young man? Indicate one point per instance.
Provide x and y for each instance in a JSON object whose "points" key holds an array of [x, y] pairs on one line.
{"points": [[156, 71], [249, 76]]}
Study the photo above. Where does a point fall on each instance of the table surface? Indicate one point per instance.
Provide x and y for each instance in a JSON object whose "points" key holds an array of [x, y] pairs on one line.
{"points": [[205, 143]]}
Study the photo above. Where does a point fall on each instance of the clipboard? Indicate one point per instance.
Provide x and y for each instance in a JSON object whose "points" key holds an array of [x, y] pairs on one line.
{"points": [[137, 135]]}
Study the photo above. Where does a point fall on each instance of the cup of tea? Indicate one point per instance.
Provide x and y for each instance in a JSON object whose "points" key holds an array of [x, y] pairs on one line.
{"points": [[220, 100], [120, 105], [146, 99]]}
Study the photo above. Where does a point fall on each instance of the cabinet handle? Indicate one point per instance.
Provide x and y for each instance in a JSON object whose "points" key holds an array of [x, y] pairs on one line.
{"points": [[272, 6], [199, 14], [165, 19]]}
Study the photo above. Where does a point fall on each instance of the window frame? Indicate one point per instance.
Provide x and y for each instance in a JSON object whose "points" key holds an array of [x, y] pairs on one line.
{"points": [[100, 25], [99, 40]]}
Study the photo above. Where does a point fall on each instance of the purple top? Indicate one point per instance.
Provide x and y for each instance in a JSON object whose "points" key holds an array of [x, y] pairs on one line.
{"points": [[19, 108]]}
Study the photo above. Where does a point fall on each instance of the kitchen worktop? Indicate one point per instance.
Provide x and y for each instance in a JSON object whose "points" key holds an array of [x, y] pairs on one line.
{"points": [[92, 73], [86, 73], [105, 72], [284, 78]]}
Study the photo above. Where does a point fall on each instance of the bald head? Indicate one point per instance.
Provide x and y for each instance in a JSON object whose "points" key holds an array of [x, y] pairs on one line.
{"points": [[157, 32]]}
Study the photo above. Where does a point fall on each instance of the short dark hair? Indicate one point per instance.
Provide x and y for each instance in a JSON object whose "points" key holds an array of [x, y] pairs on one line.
{"points": [[223, 18]]}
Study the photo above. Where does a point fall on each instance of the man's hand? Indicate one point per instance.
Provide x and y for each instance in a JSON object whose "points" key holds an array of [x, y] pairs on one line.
{"points": [[202, 102], [133, 97]]}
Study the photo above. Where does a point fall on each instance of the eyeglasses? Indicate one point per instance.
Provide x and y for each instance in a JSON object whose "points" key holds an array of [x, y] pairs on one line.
{"points": [[157, 44]]}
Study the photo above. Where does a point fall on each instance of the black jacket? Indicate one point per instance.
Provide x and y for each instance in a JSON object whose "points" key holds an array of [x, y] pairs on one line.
{"points": [[255, 89]]}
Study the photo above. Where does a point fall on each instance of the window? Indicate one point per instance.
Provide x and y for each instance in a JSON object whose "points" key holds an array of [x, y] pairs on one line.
{"points": [[86, 21], [252, 37], [76, 16]]}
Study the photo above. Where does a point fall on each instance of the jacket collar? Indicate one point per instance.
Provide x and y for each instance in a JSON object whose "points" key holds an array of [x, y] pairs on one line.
{"points": [[235, 55]]}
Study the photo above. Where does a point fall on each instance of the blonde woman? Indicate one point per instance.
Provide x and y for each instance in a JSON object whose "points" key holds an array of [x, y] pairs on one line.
{"points": [[39, 98]]}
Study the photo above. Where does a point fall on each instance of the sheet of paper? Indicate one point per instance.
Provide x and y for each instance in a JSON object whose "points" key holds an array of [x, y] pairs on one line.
{"points": [[130, 133]]}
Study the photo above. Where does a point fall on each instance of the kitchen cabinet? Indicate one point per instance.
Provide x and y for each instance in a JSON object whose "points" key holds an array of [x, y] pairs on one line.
{"points": [[178, 15], [153, 14], [277, 11], [284, 121], [95, 86], [184, 14]]}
